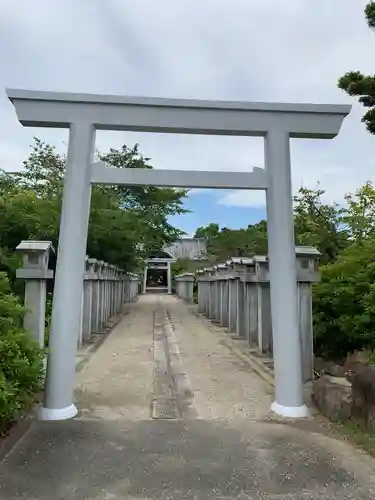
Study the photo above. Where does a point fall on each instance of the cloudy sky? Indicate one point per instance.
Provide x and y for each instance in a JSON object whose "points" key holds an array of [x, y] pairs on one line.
{"points": [[254, 50]]}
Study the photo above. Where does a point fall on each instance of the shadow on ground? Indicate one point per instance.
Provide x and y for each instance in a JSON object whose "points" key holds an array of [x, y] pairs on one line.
{"points": [[177, 459]]}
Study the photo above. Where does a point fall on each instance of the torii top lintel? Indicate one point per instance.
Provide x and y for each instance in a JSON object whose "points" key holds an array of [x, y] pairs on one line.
{"points": [[181, 116]]}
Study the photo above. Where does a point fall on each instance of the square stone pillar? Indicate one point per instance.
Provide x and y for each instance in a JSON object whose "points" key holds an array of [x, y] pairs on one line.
{"points": [[202, 291], [169, 278], [101, 298], [35, 272], [89, 277], [232, 299], [95, 300], [241, 301], [217, 299], [185, 287], [213, 298], [203, 296], [225, 303], [307, 274]]}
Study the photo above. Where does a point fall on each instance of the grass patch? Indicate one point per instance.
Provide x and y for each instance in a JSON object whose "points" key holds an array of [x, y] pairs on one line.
{"points": [[356, 433]]}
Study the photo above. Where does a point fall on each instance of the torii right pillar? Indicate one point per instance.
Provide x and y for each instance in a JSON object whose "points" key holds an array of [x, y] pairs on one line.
{"points": [[289, 395]]}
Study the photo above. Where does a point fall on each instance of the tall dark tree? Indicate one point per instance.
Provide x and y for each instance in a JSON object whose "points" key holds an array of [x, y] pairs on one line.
{"points": [[362, 86]]}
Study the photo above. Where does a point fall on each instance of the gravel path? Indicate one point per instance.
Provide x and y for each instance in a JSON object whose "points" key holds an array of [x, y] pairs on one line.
{"points": [[168, 412]]}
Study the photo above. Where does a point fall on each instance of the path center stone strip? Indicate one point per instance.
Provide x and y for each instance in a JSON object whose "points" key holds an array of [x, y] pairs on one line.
{"points": [[164, 400], [183, 389], [172, 394]]}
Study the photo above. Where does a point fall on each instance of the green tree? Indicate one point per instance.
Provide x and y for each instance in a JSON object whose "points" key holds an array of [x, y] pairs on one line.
{"points": [[21, 359], [319, 224], [225, 243], [152, 206], [210, 232], [359, 215], [125, 222], [362, 86], [344, 302]]}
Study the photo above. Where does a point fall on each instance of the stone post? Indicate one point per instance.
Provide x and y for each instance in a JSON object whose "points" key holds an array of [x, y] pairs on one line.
{"points": [[101, 298], [307, 274], [202, 291], [95, 301], [225, 303], [111, 282], [169, 278], [35, 273], [185, 287], [127, 288], [88, 277], [212, 302], [134, 286], [232, 316], [240, 326], [217, 297], [145, 279], [120, 295]]}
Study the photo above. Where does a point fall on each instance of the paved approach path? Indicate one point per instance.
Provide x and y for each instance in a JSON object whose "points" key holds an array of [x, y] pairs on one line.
{"points": [[168, 412]]}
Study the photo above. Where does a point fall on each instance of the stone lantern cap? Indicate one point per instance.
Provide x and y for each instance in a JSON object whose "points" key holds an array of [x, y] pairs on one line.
{"points": [[35, 259]]}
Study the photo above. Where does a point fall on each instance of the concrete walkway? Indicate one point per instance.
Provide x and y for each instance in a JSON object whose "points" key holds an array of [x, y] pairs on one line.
{"points": [[168, 412]]}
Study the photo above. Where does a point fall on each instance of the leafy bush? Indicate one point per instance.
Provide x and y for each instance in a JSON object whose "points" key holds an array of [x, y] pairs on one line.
{"points": [[21, 359], [47, 324], [344, 303]]}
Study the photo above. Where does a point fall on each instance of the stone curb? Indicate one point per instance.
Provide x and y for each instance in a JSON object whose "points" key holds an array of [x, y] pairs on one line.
{"points": [[261, 370]]}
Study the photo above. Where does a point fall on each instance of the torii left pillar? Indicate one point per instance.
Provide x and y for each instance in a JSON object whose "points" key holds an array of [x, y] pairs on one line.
{"points": [[67, 295]]}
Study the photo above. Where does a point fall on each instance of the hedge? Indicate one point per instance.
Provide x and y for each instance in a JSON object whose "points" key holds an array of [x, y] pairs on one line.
{"points": [[21, 359]]}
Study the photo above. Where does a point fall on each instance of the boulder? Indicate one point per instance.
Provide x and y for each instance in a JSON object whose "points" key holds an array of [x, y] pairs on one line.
{"points": [[362, 379], [333, 397], [356, 361], [328, 367]]}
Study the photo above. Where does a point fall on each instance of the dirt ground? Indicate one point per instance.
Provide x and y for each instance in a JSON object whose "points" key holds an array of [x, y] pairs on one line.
{"points": [[166, 411]]}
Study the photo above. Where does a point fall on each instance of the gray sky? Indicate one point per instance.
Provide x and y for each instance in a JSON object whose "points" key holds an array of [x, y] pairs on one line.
{"points": [[266, 50]]}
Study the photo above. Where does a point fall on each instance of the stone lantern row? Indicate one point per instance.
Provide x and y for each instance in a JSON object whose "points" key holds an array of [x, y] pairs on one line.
{"points": [[236, 295], [106, 289]]}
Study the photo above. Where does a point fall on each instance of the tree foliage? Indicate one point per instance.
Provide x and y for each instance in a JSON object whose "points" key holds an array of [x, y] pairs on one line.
{"points": [[344, 302], [225, 243], [359, 215], [125, 222], [21, 360], [362, 86], [370, 14], [319, 224]]}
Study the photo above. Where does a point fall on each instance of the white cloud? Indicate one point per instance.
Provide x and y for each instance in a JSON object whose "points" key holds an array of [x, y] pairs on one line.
{"points": [[290, 50], [240, 198]]}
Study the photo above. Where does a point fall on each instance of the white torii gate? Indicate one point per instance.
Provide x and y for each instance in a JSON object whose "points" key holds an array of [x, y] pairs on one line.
{"points": [[85, 113]]}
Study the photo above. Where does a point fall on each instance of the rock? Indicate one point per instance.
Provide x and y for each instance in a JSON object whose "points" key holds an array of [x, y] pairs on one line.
{"points": [[356, 361], [363, 384], [329, 367], [333, 397]]}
